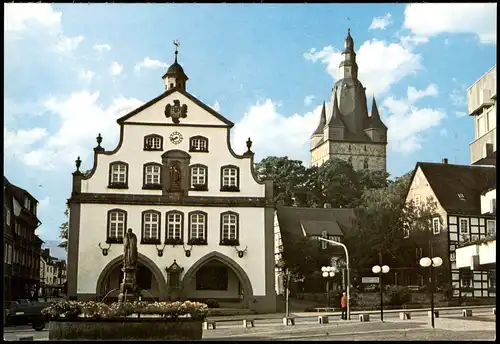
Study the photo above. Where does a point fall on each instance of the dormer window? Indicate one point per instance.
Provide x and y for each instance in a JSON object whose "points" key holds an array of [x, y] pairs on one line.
{"points": [[152, 176], [118, 175], [153, 142], [461, 197], [198, 144], [230, 178]]}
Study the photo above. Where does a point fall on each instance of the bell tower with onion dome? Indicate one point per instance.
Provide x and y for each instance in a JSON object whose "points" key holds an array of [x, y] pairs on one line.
{"points": [[175, 76]]}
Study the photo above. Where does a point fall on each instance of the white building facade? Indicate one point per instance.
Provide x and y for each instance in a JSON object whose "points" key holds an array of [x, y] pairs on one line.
{"points": [[204, 223]]}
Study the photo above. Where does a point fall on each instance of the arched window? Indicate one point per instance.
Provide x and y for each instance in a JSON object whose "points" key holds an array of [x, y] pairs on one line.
{"points": [[117, 222], [152, 176], [153, 142], [229, 228], [118, 175], [198, 144], [230, 178], [199, 177], [365, 163], [151, 224], [197, 228], [174, 227]]}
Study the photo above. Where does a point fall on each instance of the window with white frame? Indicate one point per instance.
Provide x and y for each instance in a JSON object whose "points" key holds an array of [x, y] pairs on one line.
{"points": [[466, 281], [464, 226], [417, 201], [153, 142], [229, 226], [453, 256], [230, 178], [116, 224], [197, 226], [436, 225], [198, 144], [151, 226], [152, 174], [118, 173], [7, 217], [174, 225], [491, 227], [199, 177]]}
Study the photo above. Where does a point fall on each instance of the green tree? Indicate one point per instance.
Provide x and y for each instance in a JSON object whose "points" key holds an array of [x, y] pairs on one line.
{"points": [[63, 232]]}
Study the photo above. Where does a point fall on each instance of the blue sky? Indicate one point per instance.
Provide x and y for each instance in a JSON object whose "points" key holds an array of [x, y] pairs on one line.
{"points": [[72, 69]]}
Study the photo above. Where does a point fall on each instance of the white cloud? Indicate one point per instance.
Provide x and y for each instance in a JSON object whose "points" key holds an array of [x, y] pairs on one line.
{"points": [[406, 122], [458, 97], [115, 69], [460, 114], [102, 47], [381, 22], [308, 100], [381, 64], [427, 20], [68, 44], [86, 75], [216, 106], [17, 143], [20, 17], [260, 123], [82, 118], [443, 132], [148, 63]]}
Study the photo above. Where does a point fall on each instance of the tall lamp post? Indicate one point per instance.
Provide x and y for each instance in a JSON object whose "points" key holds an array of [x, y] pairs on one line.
{"points": [[348, 272], [431, 263], [328, 273], [380, 271]]}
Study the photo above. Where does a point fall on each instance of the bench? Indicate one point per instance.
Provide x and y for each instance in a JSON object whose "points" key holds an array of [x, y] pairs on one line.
{"points": [[467, 312], [288, 321], [364, 317], [436, 314], [404, 315], [248, 323], [322, 319], [209, 324], [325, 309]]}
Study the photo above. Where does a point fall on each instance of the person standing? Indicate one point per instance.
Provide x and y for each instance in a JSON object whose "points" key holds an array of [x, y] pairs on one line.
{"points": [[343, 306]]}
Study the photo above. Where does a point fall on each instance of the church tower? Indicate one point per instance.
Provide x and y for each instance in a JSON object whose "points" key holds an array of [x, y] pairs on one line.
{"points": [[348, 132]]}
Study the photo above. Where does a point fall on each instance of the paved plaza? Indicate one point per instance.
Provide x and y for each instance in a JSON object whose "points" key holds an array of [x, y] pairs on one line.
{"points": [[450, 326]]}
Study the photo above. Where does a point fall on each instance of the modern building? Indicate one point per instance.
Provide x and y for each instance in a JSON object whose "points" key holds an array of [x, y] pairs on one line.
{"points": [[204, 223], [345, 129], [482, 105], [459, 217], [52, 275], [22, 247], [291, 223]]}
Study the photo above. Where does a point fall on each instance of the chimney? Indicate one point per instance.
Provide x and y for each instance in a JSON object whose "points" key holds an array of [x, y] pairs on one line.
{"points": [[445, 161], [327, 205]]}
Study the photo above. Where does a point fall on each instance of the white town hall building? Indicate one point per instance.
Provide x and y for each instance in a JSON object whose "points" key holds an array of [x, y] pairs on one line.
{"points": [[204, 223]]}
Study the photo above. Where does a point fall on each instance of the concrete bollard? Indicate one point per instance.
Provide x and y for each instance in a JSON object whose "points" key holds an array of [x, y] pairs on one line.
{"points": [[207, 325], [288, 321], [248, 323], [404, 315], [494, 311], [467, 312], [436, 314], [322, 319], [364, 317]]}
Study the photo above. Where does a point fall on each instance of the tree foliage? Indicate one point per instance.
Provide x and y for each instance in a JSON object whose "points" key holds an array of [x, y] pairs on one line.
{"points": [[63, 232]]}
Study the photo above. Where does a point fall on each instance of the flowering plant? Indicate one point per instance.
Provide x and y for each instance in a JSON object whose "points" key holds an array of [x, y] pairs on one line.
{"points": [[99, 310]]}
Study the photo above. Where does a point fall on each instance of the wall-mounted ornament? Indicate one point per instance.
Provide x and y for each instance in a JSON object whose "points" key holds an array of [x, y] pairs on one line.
{"points": [[174, 268], [176, 111], [104, 249], [187, 252], [160, 250], [241, 252]]}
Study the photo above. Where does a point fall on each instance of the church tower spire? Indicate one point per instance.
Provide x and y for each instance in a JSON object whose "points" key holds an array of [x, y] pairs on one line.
{"points": [[348, 69], [322, 122]]}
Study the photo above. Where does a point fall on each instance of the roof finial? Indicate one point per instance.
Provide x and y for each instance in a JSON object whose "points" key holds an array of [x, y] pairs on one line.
{"points": [[177, 44]]}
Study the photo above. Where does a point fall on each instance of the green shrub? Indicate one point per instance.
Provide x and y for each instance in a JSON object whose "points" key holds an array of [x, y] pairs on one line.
{"points": [[397, 295]]}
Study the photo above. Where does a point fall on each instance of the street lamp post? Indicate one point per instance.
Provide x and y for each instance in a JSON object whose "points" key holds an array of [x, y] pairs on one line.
{"points": [[431, 263], [328, 273], [380, 271], [348, 272]]}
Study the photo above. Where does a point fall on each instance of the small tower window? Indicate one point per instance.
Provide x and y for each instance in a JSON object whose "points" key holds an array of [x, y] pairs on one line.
{"points": [[171, 85], [365, 163]]}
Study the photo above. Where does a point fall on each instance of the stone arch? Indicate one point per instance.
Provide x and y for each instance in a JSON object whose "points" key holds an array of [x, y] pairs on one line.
{"points": [[217, 256], [157, 273]]}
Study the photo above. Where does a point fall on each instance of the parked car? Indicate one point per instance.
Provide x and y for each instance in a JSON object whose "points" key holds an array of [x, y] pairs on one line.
{"points": [[27, 313]]}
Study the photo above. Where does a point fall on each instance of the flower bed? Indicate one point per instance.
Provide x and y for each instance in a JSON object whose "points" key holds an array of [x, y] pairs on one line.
{"points": [[97, 320]]}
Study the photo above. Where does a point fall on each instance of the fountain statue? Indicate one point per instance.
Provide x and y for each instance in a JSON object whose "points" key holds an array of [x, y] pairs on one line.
{"points": [[128, 287]]}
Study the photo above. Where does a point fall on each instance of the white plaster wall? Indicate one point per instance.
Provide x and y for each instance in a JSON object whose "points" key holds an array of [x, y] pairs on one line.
{"points": [[156, 112], [93, 230], [132, 152], [486, 201]]}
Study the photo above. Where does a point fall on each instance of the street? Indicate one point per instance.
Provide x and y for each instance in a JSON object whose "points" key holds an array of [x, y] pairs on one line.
{"points": [[449, 326]]}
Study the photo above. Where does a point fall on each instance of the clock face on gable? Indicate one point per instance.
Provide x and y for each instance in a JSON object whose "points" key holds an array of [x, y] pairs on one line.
{"points": [[176, 137]]}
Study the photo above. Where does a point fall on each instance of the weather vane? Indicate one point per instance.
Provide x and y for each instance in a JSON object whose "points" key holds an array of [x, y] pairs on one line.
{"points": [[177, 44]]}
